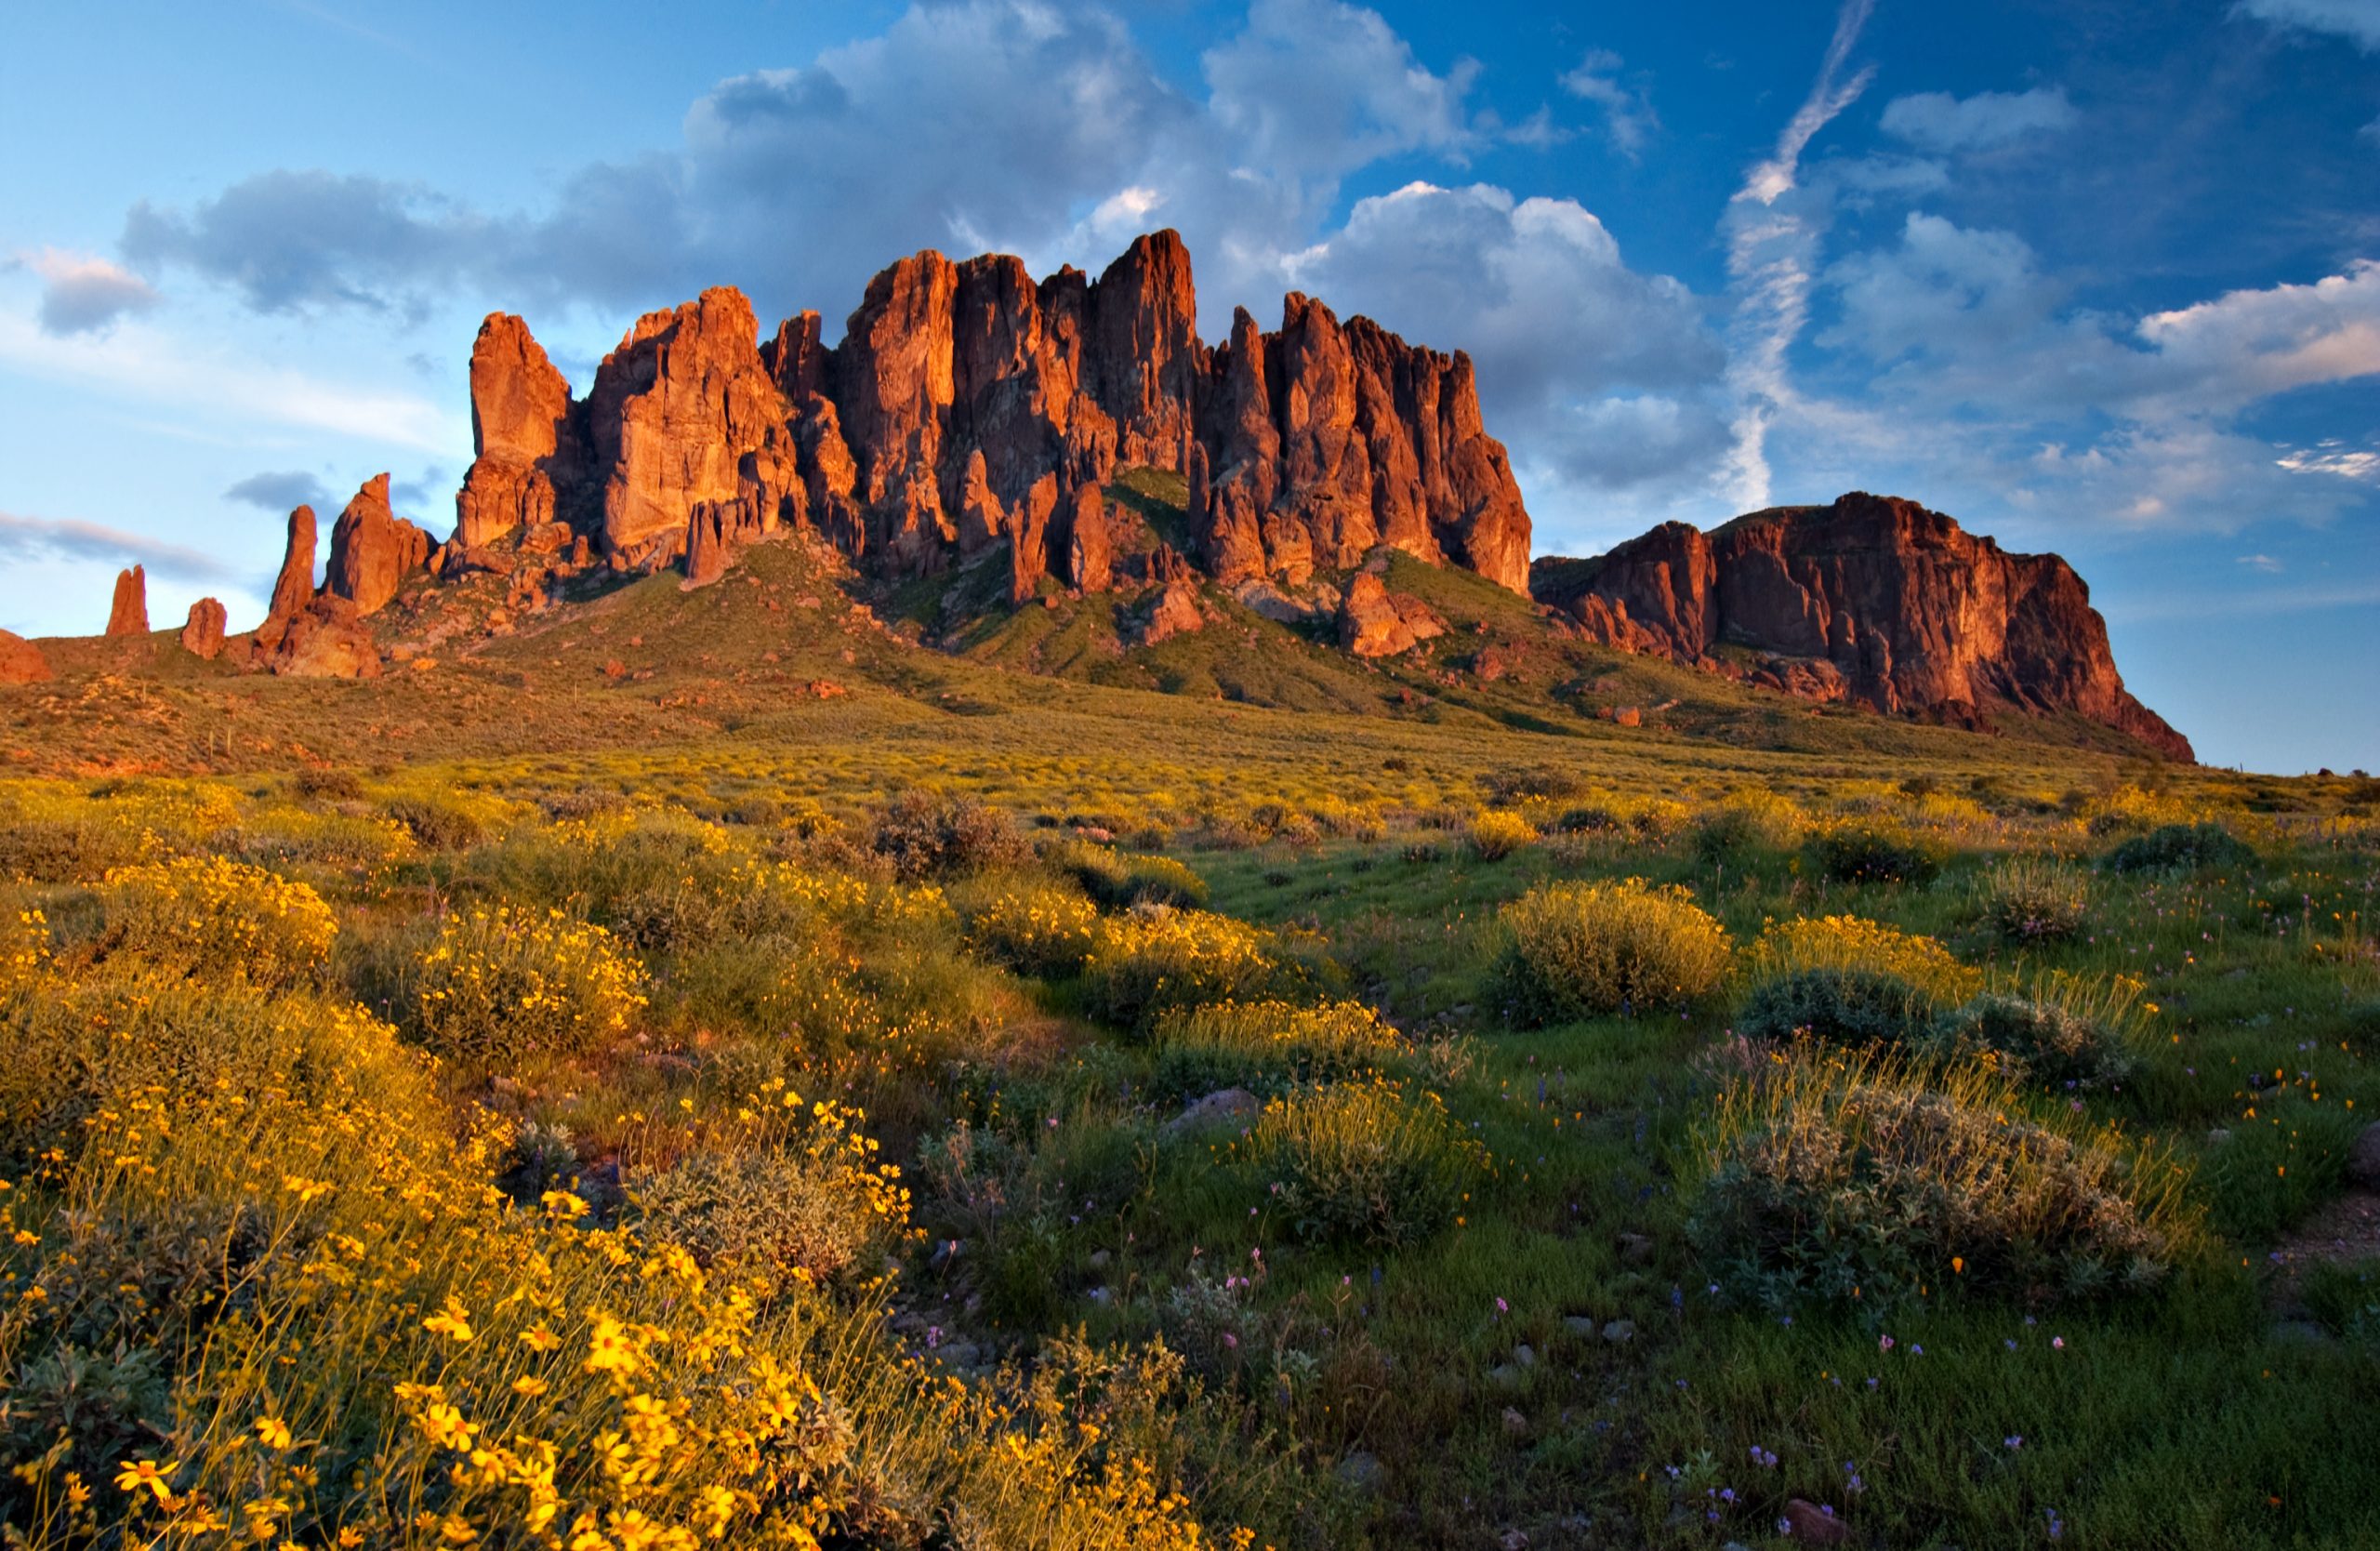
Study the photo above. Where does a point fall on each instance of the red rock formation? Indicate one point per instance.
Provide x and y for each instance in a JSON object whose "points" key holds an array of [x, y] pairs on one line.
{"points": [[203, 631], [523, 441], [685, 412], [372, 550], [1874, 599], [893, 384], [1029, 537], [1142, 358], [327, 640], [1374, 622], [21, 661], [129, 612], [293, 588], [1243, 453], [1088, 544]]}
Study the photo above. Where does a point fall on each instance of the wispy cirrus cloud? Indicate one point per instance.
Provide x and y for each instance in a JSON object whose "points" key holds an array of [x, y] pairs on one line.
{"points": [[35, 539]]}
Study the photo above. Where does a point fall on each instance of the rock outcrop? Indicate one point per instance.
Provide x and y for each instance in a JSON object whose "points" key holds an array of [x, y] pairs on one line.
{"points": [[372, 550], [1374, 622], [128, 612], [525, 445], [22, 662], [1873, 600], [959, 391], [203, 631], [293, 588]]}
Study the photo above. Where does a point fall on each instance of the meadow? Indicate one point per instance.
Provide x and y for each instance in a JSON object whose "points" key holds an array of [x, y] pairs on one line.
{"points": [[971, 1108]]}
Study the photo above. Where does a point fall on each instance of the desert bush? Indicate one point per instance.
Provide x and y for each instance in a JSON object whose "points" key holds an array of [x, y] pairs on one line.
{"points": [[1036, 928], [213, 917], [1855, 943], [1496, 834], [1156, 958], [804, 994], [2037, 1042], [2179, 848], [1575, 951], [2035, 899], [1117, 879], [927, 836], [1745, 824], [1362, 1162], [1842, 1006], [440, 823], [1658, 818], [1840, 1178], [1588, 820], [1877, 851], [507, 984], [327, 784], [316, 837], [1266, 1045], [814, 1205], [51, 833]]}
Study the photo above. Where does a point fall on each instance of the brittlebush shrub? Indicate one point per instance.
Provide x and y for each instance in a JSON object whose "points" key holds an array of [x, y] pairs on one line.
{"points": [[926, 837], [1496, 834], [1855, 943], [2180, 848], [1155, 959], [216, 918], [2039, 1043], [1361, 1163], [1035, 928], [1878, 852], [1117, 879], [505, 984], [1841, 1179], [24, 948], [1746, 824], [1576, 950], [2035, 899], [1266, 1045], [1853, 1007]]}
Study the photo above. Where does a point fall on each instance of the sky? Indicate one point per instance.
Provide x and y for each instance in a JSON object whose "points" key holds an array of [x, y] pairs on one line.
{"points": [[2094, 276]]}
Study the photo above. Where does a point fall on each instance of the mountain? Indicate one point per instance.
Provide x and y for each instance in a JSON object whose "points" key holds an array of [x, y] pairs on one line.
{"points": [[980, 445], [1874, 599]]}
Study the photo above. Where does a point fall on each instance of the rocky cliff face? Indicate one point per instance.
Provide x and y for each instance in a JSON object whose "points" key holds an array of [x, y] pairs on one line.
{"points": [[1873, 600], [968, 405]]}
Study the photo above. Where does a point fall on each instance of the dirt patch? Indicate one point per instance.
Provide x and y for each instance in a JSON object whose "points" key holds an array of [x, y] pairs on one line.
{"points": [[2344, 1229]]}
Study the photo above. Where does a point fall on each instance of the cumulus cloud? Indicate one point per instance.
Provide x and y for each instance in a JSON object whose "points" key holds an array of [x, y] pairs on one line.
{"points": [[2357, 20], [1937, 120], [280, 492], [39, 538], [1606, 376], [1628, 110], [85, 294]]}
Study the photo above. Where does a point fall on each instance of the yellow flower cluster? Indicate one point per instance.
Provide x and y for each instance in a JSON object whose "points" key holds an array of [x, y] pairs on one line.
{"points": [[24, 948], [1497, 833], [220, 916], [1040, 929], [1855, 943], [509, 983]]}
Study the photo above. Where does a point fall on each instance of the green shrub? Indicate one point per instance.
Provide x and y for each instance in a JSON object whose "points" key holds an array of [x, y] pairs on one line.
{"points": [[1855, 943], [1575, 951], [2179, 848], [440, 824], [1266, 1045], [925, 836], [1362, 1164], [776, 1212], [1157, 959], [1747, 824], [504, 985], [1496, 834], [1843, 1180], [1841, 1006], [1119, 879], [2034, 899], [216, 918], [1878, 853], [2039, 1043], [1034, 928]]}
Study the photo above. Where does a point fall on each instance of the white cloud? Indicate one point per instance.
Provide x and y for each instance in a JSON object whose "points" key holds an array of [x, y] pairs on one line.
{"points": [[1602, 376], [26, 540], [1628, 110], [2250, 344], [141, 364], [85, 294], [1937, 120], [2334, 458], [2356, 20], [2260, 563], [1772, 251]]}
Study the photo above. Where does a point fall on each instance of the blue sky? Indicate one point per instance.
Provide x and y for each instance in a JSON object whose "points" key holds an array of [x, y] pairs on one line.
{"points": [[2096, 276]]}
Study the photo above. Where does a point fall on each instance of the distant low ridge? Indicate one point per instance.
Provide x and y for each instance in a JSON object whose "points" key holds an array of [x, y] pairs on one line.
{"points": [[974, 423]]}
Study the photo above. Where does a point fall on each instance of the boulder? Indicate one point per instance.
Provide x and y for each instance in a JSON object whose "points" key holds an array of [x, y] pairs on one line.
{"points": [[203, 631], [327, 640], [372, 550], [22, 662], [1225, 1106], [1374, 622], [129, 612], [1173, 610]]}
